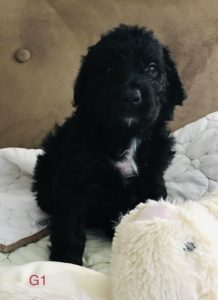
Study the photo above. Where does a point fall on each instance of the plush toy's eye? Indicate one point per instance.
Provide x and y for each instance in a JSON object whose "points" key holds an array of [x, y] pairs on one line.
{"points": [[189, 246]]}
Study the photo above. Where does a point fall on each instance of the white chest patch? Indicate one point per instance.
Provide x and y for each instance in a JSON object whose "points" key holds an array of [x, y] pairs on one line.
{"points": [[127, 165]]}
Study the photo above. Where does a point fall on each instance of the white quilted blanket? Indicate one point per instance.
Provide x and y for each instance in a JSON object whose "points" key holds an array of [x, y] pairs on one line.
{"points": [[194, 170], [193, 173]]}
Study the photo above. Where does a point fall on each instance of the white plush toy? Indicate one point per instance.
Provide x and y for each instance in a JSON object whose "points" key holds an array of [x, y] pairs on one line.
{"points": [[165, 251]]}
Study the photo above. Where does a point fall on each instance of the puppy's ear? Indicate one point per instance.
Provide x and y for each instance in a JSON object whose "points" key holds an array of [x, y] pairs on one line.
{"points": [[175, 91], [80, 82]]}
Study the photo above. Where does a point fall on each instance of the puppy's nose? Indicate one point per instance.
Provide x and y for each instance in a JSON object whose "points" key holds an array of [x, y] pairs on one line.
{"points": [[133, 97]]}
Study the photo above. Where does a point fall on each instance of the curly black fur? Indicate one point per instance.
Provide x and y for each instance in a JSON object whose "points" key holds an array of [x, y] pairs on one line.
{"points": [[127, 88]]}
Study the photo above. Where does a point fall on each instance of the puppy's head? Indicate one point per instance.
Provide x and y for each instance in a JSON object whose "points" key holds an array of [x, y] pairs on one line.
{"points": [[128, 79]]}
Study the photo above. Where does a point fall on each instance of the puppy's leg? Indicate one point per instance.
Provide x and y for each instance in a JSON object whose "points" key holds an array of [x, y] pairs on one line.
{"points": [[150, 183], [67, 231], [149, 186], [158, 189]]}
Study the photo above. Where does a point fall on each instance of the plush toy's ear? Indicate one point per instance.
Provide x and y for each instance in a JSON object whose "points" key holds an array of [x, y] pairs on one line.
{"points": [[175, 91], [156, 210]]}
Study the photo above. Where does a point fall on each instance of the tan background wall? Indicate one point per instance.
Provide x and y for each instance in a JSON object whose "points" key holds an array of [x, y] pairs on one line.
{"points": [[36, 94]]}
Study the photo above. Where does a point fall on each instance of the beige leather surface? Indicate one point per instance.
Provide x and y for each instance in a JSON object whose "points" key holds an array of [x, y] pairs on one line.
{"points": [[37, 93]]}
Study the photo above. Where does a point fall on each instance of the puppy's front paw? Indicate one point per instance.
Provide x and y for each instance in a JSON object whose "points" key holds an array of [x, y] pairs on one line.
{"points": [[65, 256], [158, 193]]}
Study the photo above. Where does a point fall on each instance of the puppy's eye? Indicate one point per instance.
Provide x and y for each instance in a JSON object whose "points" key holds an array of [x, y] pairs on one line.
{"points": [[153, 71], [107, 69]]}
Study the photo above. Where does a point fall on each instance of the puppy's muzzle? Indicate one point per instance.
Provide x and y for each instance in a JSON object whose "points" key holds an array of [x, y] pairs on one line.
{"points": [[131, 97]]}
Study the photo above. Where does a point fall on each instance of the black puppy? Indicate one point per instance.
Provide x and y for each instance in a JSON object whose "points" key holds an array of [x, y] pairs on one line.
{"points": [[112, 153]]}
